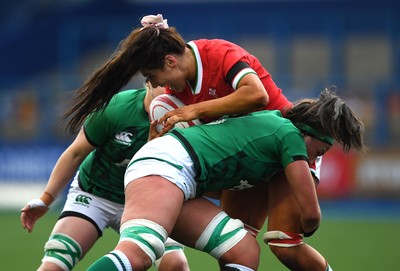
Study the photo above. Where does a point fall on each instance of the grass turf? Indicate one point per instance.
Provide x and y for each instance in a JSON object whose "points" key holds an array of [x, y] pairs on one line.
{"points": [[351, 244]]}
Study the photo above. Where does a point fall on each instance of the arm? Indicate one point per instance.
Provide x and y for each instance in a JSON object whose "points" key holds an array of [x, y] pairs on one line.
{"points": [[302, 183], [249, 96], [61, 175]]}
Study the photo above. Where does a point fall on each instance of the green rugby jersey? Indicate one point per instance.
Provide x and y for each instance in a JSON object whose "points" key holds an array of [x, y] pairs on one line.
{"points": [[245, 150], [118, 133]]}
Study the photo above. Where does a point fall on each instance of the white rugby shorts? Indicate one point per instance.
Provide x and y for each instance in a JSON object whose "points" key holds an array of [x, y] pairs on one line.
{"points": [[103, 212], [168, 151]]}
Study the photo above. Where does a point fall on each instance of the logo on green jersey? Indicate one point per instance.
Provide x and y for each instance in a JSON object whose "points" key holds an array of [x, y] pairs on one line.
{"points": [[124, 138], [83, 199], [243, 185]]}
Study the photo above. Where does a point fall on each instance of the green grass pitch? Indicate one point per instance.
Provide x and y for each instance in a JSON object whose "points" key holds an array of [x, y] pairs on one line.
{"points": [[358, 244]]}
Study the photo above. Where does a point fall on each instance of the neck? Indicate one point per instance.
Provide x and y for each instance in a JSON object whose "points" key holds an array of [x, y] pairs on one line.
{"points": [[147, 100], [190, 66]]}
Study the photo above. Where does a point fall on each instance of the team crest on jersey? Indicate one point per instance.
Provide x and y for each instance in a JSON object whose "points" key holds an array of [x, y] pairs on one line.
{"points": [[243, 185], [212, 92], [124, 138]]}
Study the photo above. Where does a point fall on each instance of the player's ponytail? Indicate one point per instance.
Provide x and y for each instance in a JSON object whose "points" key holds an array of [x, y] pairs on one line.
{"points": [[144, 48]]}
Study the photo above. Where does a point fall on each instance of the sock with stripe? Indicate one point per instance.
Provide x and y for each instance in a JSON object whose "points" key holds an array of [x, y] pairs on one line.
{"points": [[113, 261]]}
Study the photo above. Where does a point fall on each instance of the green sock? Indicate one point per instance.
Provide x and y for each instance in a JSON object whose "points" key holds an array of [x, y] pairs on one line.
{"points": [[114, 261]]}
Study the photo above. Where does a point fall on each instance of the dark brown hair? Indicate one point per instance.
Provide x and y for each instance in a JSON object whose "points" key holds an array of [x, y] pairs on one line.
{"points": [[330, 115], [144, 48]]}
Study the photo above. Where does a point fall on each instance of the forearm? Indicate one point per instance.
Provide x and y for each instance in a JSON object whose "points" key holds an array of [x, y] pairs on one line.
{"points": [[239, 102], [303, 187], [62, 173]]}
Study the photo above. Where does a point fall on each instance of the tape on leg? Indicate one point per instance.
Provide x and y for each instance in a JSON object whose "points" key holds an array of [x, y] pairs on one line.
{"points": [[63, 251], [253, 231], [221, 235], [149, 236], [283, 239]]}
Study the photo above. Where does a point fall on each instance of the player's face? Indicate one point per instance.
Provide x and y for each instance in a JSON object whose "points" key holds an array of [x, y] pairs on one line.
{"points": [[315, 148], [154, 92], [169, 75]]}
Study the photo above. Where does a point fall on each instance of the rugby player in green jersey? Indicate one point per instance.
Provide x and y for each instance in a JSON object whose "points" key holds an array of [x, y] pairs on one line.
{"points": [[171, 173], [101, 151]]}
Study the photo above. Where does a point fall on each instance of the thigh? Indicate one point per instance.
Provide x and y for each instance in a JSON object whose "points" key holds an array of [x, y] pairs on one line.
{"points": [[195, 216], [100, 212], [79, 229], [249, 205], [193, 221], [153, 198]]}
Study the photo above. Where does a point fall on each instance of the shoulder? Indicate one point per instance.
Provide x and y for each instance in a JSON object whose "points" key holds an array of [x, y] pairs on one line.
{"points": [[127, 95], [213, 44]]}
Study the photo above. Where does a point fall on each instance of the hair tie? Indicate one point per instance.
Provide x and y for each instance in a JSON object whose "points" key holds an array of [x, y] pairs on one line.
{"points": [[155, 21]]}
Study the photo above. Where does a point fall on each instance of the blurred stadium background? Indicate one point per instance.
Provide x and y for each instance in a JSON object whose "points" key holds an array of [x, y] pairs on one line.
{"points": [[49, 48]]}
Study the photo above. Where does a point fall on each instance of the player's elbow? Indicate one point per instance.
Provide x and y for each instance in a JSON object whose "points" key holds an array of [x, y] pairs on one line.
{"points": [[311, 220], [261, 100]]}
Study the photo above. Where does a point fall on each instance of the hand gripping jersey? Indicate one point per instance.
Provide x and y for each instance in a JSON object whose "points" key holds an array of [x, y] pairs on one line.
{"points": [[248, 149], [118, 133], [220, 66]]}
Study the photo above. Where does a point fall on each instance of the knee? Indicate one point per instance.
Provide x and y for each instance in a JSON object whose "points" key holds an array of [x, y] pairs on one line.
{"points": [[283, 244], [173, 261], [149, 238], [61, 251], [226, 240]]}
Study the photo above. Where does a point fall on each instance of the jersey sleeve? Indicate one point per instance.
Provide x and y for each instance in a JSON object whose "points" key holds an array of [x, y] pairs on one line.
{"points": [[293, 148], [237, 72], [232, 59], [97, 127]]}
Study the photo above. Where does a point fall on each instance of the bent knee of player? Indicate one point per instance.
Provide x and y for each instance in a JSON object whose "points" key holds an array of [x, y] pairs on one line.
{"points": [[247, 252], [174, 261], [63, 251], [284, 245], [149, 238]]}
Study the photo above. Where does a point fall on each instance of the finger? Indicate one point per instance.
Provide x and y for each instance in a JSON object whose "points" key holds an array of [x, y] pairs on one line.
{"points": [[26, 208], [29, 225], [173, 120], [26, 224], [23, 220], [29, 228], [164, 131], [166, 116], [153, 133]]}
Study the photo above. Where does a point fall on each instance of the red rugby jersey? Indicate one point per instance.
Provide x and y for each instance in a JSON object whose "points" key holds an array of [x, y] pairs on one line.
{"points": [[218, 73]]}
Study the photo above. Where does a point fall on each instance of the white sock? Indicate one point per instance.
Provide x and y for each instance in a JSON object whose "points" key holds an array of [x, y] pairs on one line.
{"points": [[236, 267]]}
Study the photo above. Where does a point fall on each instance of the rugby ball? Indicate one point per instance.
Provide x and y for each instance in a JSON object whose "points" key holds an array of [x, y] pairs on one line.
{"points": [[165, 103]]}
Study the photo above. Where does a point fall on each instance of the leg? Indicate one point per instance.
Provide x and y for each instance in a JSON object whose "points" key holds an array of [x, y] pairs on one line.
{"points": [[249, 205], [77, 230], [174, 258], [284, 216], [71, 239], [152, 205], [203, 226]]}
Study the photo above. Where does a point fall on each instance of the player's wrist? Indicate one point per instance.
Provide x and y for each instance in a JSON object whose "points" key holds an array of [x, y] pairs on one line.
{"points": [[47, 198]]}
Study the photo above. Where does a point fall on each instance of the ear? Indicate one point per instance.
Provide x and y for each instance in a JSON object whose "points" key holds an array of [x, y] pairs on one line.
{"points": [[170, 61]]}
